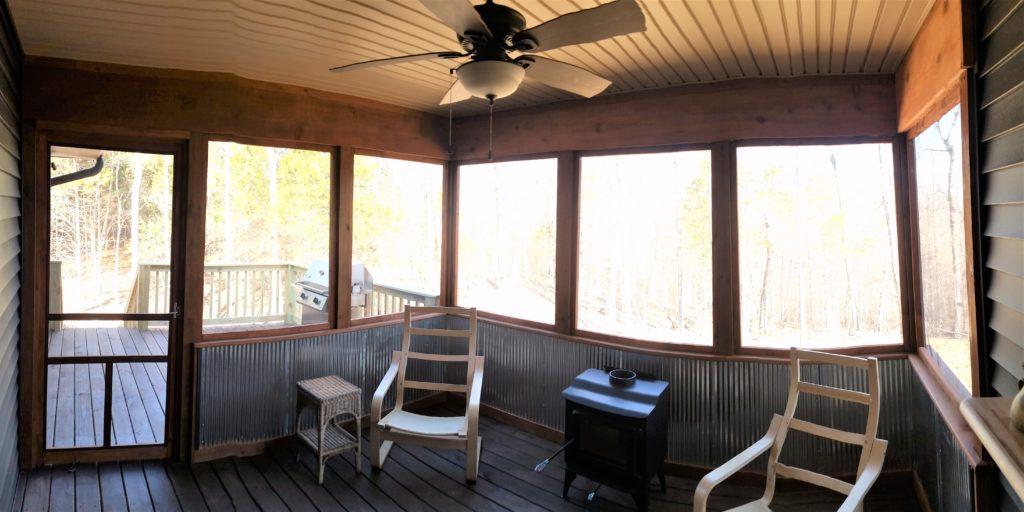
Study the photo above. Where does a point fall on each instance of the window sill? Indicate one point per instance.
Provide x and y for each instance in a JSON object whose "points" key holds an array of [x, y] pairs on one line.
{"points": [[655, 348], [948, 405]]}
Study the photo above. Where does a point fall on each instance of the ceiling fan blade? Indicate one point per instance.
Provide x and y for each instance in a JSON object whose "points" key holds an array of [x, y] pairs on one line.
{"points": [[456, 94], [566, 77], [460, 15], [398, 60], [608, 20]]}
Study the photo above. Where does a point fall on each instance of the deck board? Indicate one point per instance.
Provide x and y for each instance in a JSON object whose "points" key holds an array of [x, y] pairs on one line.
{"points": [[74, 395], [413, 479], [87, 489], [135, 488], [112, 487], [225, 471]]}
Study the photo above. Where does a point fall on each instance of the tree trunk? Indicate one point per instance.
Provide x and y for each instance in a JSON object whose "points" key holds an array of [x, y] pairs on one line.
{"points": [[137, 170], [953, 242], [228, 225], [118, 221], [882, 320], [762, 308], [851, 326], [275, 235]]}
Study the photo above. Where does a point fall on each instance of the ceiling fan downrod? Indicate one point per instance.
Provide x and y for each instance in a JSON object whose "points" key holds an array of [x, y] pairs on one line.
{"points": [[490, 127]]}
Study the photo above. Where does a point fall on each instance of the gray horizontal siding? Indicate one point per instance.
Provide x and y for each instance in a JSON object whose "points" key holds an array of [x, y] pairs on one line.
{"points": [[1000, 89], [1001, 153], [10, 248]]}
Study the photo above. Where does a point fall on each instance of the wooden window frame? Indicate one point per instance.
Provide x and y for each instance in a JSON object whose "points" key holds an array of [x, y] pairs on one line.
{"points": [[959, 93], [336, 305], [443, 282], [899, 197], [726, 343], [564, 181], [717, 294]]}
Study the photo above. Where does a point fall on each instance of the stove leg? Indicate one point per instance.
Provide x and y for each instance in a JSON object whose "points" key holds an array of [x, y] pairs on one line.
{"points": [[640, 498], [569, 477], [661, 479]]}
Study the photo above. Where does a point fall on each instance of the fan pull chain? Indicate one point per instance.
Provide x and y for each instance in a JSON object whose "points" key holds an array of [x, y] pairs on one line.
{"points": [[490, 128], [451, 85]]}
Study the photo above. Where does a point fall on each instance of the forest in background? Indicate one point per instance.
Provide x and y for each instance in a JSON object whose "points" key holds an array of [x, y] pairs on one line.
{"points": [[817, 245], [102, 227]]}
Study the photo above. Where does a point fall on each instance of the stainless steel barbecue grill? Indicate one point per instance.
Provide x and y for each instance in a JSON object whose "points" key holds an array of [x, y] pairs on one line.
{"points": [[311, 292], [313, 288]]}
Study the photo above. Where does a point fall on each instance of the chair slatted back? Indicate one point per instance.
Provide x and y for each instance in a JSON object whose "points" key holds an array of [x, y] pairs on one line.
{"points": [[406, 353], [796, 386]]}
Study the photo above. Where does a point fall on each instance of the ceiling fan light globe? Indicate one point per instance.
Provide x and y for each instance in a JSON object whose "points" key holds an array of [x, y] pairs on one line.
{"points": [[490, 78]]}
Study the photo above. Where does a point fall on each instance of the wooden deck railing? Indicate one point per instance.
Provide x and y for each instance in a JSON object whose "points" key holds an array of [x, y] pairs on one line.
{"points": [[250, 293], [233, 293], [387, 299]]}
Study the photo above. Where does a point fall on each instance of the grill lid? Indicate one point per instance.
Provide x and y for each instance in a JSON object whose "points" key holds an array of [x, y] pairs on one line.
{"points": [[591, 388], [316, 277]]}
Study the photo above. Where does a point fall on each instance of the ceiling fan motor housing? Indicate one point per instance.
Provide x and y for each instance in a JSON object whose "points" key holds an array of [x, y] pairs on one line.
{"points": [[502, 21]]}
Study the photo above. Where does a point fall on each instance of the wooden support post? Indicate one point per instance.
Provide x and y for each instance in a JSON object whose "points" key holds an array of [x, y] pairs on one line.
{"points": [[142, 304]]}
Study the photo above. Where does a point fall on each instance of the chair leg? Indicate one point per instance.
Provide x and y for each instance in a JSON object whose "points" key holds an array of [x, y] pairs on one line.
{"points": [[359, 446], [378, 449], [473, 458], [375, 447]]}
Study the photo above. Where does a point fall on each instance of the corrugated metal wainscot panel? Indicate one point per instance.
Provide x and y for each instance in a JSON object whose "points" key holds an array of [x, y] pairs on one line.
{"points": [[246, 393], [944, 471], [718, 408]]}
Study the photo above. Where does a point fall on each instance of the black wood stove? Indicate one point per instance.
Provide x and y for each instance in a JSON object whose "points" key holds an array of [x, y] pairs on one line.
{"points": [[616, 435]]}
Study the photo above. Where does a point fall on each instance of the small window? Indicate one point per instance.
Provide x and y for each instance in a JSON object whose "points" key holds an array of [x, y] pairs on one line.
{"points": [[396, 240], [506, 262], [645, 246], [940, 212], [817, 246], [267, 238]]}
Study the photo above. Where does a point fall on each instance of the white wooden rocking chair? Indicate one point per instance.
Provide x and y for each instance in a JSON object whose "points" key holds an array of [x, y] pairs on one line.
{"points": [[458, 432], [873, 449]]}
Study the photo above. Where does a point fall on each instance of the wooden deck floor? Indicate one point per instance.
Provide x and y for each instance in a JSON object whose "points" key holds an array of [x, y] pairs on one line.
{"points": [[413, 479], [74, 393]]}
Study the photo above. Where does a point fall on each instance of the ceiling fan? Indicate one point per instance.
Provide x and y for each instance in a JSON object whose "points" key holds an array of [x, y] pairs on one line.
{"points": [[490, 34]]}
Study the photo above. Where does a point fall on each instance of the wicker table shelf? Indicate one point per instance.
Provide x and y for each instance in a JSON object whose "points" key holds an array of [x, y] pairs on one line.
{"points": [[333, 398]]}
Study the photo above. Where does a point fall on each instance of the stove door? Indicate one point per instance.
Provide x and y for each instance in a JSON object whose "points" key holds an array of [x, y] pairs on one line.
{"points": [[606, 448]]}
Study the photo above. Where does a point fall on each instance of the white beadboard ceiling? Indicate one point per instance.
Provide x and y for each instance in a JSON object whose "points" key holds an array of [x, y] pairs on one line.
{"points": [[296, 41]]}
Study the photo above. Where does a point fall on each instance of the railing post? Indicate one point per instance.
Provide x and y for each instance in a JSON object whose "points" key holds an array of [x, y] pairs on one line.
{"points": [[142, 304], [289, 293], [55, 296]]}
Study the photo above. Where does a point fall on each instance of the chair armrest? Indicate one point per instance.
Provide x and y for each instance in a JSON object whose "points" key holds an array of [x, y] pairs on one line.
{"points": [[473, 399], [382, 390], [729, 468], [867, 478]]}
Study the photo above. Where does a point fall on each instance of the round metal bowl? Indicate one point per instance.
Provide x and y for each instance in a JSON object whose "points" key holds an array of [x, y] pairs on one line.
{"points": [[621, 378]]}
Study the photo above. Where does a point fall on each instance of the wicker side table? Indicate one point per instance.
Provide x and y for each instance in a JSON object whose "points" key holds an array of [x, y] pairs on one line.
{"points": [[333, 398]]}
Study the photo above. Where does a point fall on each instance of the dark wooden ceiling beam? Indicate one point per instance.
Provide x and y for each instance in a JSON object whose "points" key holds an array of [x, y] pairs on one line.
{"points": [[761, 108]]}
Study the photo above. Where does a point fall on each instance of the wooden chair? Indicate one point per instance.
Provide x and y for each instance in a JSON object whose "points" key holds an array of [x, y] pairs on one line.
{"points": [[873, 449], [459, 432]]}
